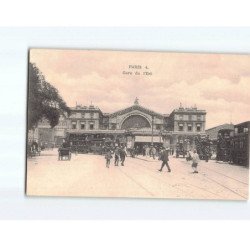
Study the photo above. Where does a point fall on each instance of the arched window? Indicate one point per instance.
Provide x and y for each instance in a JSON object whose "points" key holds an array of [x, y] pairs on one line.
{"points": [[135, 121]]}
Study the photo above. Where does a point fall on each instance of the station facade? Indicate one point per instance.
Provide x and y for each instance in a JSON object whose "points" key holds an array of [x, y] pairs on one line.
{"points": [[135, 125]]}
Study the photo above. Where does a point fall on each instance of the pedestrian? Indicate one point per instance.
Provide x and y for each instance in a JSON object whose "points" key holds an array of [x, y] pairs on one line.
{"points": [[122, 156], [133, 152], [153, 152], [189, 157], [125, 149], [144, 150], [195, 161], [136, 150], [108, 157], [160, 153], [147, 150], [164, 159], [117, 156], [172, 151]]}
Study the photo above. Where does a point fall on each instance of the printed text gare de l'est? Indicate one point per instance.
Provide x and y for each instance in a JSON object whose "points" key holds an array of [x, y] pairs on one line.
{"points": [[137, 70]]}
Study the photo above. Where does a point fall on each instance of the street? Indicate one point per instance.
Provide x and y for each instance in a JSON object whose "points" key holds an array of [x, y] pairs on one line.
{"points": [[86, 175]]}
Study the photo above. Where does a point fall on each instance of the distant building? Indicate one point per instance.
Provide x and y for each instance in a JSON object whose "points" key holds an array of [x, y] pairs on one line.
{"points": [[186, 123], [136, 125], [213, 132]]}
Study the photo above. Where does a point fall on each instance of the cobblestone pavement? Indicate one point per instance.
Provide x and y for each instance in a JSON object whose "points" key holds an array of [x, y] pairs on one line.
{"points": [[86, 175]]}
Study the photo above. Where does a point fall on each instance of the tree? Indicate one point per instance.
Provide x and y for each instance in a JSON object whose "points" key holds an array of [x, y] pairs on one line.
{"points": [[44, 100]]}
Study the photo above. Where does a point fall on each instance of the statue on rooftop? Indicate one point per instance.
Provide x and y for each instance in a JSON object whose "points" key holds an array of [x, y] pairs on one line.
{"points": [[136, 102]]}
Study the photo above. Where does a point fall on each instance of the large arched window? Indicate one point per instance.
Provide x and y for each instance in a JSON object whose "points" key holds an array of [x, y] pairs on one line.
{"points": [[135, 121]]}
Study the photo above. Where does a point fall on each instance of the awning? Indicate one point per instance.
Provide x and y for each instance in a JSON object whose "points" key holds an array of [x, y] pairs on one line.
{"points": [[148, 139]]}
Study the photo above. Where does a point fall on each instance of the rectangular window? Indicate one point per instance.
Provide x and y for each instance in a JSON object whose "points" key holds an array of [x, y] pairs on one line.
{"points": [[198, 117], [180, 127], [189, 127], [113, 126], [181, 117], [83, 115], [190, 117], [91, 115], [82, 125], [198, 127], [91, 126], [73, 125]]}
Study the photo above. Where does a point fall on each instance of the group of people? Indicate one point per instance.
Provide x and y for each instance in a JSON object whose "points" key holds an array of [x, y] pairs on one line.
{"points": [[193, 156], [33, 148], [150, 150], [120, 154]]}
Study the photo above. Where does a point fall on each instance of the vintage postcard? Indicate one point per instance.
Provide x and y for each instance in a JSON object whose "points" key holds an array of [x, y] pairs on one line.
{"points": [[138, 124]]}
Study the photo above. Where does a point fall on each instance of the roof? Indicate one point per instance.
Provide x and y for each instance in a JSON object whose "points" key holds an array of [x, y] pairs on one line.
{"points": [[213, 132], [242, 123], [136, 107], [227, 125], [85, 108], [189, 110]]}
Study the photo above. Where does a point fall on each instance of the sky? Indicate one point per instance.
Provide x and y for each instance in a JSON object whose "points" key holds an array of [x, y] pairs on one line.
{"points": [[217, 83]]}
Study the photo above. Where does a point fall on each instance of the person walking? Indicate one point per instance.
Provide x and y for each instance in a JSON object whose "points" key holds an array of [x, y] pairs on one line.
{"points": [[117, 156], [108, 157], [153, 151], [195, 161], [122, 156], [164, 159], [189, 157], [147, 150], [144, 150], [125, 149], [150, 151]]}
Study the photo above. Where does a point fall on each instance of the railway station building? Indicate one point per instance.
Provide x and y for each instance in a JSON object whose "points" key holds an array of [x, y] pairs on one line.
{"points": [[135, 125]]}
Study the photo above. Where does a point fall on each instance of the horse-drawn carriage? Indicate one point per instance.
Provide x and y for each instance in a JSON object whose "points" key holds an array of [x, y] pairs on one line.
{"points": [[33, 149], [64, 153], [32, 152]]}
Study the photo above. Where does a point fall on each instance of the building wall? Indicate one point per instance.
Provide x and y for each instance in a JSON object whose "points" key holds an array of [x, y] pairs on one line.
{"points": [[161, 123], [119, 119], [84, 118], [186, 118]]}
